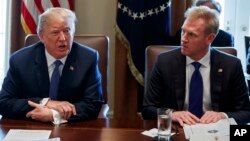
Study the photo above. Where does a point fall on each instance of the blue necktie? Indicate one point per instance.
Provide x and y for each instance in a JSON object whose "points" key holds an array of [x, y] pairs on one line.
{"points": [[55, 78], [196, 91]]}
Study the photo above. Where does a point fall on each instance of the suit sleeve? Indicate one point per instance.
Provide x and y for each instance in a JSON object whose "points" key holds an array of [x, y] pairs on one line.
{"points": [[152, 97], [13, 103]]}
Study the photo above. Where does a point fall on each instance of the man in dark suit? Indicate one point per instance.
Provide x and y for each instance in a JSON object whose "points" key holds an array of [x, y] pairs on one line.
{"points": [[224, 92], [223, 38], [26, 89]]}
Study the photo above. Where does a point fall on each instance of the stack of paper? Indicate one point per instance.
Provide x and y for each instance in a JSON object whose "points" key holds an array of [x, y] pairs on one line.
{"points": [[216, 130]]}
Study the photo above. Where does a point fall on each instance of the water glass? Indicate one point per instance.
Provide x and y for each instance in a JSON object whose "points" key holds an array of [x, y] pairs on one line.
{"points": [[164, 123]]}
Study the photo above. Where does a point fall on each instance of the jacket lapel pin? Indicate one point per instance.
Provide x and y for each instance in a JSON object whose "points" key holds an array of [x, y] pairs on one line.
{"points": [[71, 68], [220, 70]]}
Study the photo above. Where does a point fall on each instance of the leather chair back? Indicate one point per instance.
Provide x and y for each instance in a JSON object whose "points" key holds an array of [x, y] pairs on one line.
{"points": [[97, 42]]}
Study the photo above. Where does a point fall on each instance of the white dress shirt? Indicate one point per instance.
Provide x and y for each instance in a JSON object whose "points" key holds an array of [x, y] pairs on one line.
{"points": [[205, 73], [51, 66]]}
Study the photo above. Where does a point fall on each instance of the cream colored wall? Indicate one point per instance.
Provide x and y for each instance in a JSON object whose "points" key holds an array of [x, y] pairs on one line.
{"points": [[98, 17]]}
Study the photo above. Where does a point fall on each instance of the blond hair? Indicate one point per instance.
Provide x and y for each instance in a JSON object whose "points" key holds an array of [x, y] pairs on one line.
{"points": [[210, 16]]}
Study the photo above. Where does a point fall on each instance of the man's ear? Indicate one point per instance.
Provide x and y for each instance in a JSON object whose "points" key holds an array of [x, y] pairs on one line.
{"points": [[40, 35], [211, 37]]}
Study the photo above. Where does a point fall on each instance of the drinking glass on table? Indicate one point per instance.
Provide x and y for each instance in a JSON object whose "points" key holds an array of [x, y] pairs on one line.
{"points": [[164, 123]]}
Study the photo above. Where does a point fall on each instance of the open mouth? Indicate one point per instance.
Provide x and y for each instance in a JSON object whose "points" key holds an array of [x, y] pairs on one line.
{"points": [[62, 46]]}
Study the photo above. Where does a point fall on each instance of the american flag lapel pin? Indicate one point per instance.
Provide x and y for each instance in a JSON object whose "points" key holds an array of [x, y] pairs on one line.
{"points": [[220, 70], [71, 68]]}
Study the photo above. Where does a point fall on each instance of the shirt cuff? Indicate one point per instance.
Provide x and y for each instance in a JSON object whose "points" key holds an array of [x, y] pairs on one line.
{"points": [[44, 101], [57, 117], [225, 114]]}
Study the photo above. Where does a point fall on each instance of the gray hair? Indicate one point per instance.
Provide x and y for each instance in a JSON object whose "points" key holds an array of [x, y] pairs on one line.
{"points": [[210, 16], [56, 13]]}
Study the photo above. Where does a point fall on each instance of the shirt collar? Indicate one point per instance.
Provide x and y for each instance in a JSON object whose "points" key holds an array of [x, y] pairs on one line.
{"points": [[205, 60], [51, 59]]}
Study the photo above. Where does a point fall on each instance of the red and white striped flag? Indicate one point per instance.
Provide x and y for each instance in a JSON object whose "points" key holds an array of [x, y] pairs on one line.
{"points": [[31, 9]]}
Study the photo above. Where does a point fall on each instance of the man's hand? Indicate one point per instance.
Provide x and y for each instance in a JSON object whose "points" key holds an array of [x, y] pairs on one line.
{"points": [[184, 117], [212, 116], [65, 108], [40, 113]]}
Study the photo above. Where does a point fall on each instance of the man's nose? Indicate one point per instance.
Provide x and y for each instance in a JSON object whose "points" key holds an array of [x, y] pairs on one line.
{"points": [[61, 36], [184, 37]]}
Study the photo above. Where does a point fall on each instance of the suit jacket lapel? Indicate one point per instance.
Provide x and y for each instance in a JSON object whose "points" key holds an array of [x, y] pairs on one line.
{"points": [[41, 71], [69, 68], [216, 76], [68, 71], [180, 81]]}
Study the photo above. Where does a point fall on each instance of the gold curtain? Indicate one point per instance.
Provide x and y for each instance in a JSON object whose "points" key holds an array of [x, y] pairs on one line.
{"points": [[126, 87]]}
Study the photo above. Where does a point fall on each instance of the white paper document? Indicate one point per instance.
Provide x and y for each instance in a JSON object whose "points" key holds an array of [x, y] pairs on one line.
{"points": [[152, 132], [208, 138], [220, 128], [27, 135], [52, 139]]}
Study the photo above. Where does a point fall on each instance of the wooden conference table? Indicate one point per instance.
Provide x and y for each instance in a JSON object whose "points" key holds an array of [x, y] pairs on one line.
{"points": [[92, 130]]}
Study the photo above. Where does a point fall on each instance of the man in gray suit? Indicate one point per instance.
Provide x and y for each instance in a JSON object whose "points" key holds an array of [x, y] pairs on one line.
{"points": [[27, 92], [224, 93]]}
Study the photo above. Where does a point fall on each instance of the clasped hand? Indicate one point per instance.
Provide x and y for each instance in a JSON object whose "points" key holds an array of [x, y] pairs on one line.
{"points": [[44, 113], [185, 117]]}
